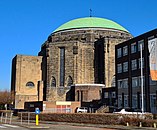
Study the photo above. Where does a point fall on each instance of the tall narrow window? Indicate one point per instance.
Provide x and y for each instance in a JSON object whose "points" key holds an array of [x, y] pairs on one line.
{"points": [[81, 96], [62, 65], [53, 82], [70, 81], [99, 61], [138, 100], [78, 95], [122, 100]]}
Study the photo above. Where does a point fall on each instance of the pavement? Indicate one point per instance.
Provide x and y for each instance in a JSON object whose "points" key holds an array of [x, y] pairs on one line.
{"points": [[47, 125]]}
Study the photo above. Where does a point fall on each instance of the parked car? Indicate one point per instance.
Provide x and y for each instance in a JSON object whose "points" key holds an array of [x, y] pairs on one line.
{"points": [[81, 110], [124, 111]]}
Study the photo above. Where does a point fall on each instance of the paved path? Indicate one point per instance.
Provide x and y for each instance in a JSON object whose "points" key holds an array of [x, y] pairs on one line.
{"points": [[70, 127], [11, 127]]}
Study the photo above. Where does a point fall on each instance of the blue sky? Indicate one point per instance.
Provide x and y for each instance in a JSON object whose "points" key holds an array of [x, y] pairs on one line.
{"points": [[26, 24]]}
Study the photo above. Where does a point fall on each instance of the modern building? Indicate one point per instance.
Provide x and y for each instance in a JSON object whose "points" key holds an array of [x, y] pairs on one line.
{"points": [[80, 51], [108, 97], [128, 73]]}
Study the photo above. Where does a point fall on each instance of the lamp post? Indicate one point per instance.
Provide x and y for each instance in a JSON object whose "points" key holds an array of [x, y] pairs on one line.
{"points": [[142, 107]]}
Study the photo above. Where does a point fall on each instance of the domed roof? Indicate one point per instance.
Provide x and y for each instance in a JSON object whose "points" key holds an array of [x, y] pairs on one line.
{"points": [[90, 22]]}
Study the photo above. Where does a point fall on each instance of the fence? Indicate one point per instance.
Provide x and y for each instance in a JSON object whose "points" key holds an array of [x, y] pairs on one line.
{"points": [[6, 117], [25, 118]]}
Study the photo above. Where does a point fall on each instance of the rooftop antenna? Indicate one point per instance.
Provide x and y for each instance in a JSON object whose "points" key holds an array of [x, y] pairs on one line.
{"points": [[90, 12]]}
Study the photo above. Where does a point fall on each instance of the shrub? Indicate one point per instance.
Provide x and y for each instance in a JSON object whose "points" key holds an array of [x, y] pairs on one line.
{"points": [[106, 119]]}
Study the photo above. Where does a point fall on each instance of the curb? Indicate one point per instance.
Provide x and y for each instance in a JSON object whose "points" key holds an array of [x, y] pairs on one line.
{"points": [[35, 127]]}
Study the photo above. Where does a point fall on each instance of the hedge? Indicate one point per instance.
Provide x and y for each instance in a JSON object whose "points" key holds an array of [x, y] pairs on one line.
{"points": [[105, 119]]}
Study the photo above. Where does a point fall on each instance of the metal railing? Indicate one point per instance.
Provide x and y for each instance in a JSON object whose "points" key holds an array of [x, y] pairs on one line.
{"points": [[6, 117], [27, 117]]}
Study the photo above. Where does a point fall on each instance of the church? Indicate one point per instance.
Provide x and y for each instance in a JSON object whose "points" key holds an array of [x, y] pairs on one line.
{"points": [[78, 55]]}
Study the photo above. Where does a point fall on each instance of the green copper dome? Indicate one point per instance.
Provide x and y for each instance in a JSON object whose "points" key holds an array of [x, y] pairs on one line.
{"points": [[90, 22]]}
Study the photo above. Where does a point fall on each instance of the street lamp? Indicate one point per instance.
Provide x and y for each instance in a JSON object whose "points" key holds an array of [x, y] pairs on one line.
{"points": [[142, 107]]}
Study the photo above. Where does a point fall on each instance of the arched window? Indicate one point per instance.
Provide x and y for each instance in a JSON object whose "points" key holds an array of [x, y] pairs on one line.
{"points": [[69, 81], [30, 84], [53, 82]]}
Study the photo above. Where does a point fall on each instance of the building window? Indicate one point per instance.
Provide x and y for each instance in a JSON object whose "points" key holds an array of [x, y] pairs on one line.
{"points": [[125, 100], [53, 82], [139, 43], [139, 62], [30, 84], [125, 83], [106, 95], [133, 47], [120, 85], [70, 81], [134, 82], [78, 95], [134, 64], [139, 80], [119, 68], [75, 49], [134, 101], [153, 103], [152, 82], [119, 52], [122, 100], [125, 66], [125, 50], [113, 84], [62, 66], [151, 37], [119, 101], [113, 94], [82, 96]]}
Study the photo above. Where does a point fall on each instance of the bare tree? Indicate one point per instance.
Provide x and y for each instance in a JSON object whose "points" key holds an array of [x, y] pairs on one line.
{"points": [[6, 97]]}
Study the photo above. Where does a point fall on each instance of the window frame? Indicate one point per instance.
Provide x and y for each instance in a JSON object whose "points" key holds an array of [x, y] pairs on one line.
{"points": [[133, 47], [30, 84], [125, 66], [125, 50], [119, 52], [139, 43], [119, 68], [134, 64], [135, 84]]}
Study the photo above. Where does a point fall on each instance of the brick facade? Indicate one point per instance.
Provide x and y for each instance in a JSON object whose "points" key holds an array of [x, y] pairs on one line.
{"points": [[27, 69], [80, 57]]}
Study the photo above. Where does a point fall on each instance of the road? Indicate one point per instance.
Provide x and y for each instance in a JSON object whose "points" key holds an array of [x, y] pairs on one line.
{"points": [[51, 127], [66, 127]]}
